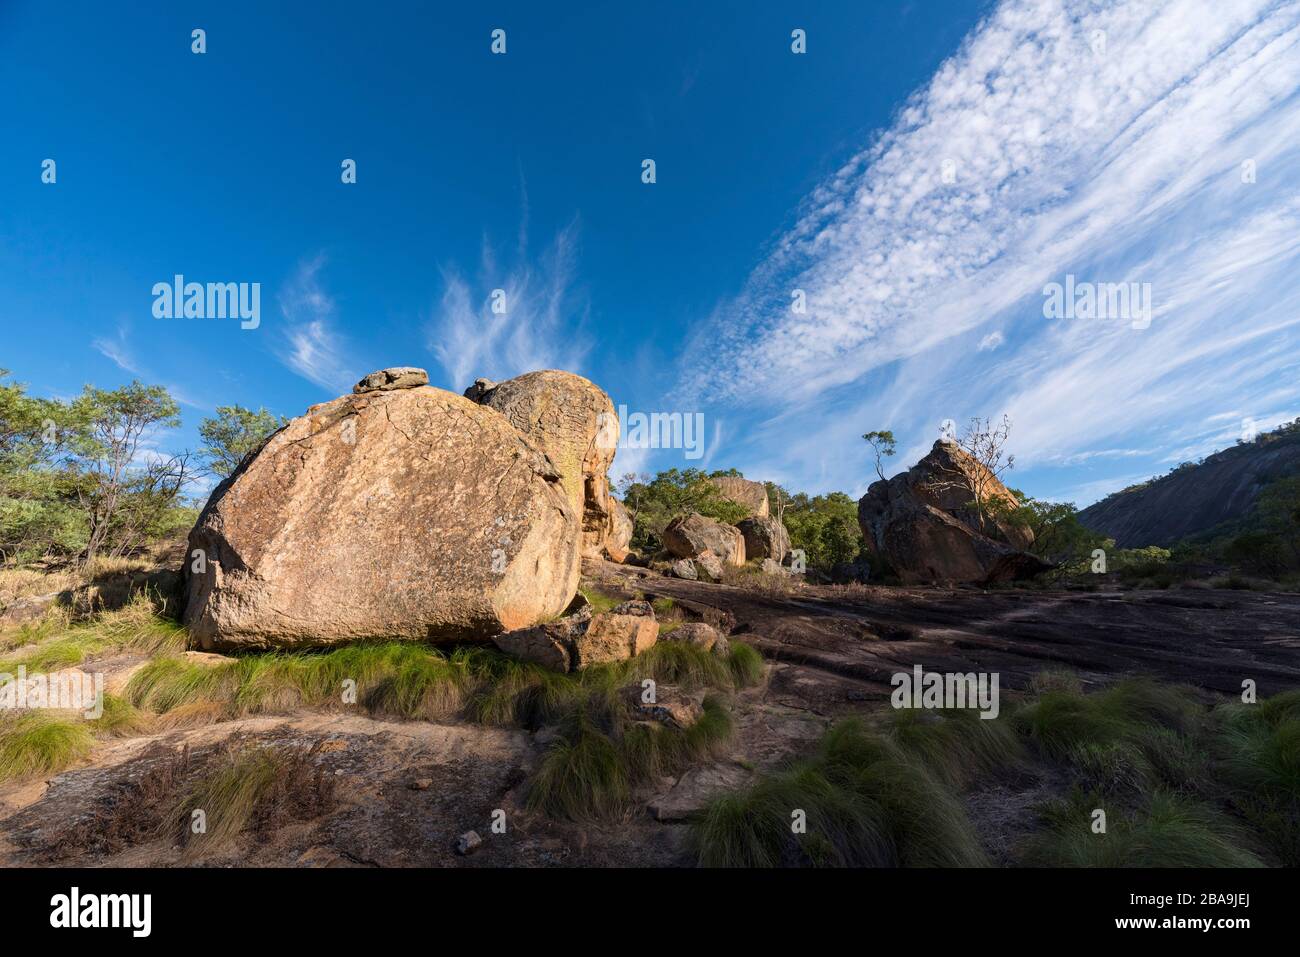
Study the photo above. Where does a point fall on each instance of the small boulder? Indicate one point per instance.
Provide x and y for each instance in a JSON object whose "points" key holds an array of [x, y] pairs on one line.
{"points": [[695, 633], [637, 606], [688, 535], [765, 537], [26, 610], [468, 843], [549, 644], [671, 707], [685, 568], [479, 390], [582, 639], [708, 563], [398, 377], [770, 567], [612, 637]]}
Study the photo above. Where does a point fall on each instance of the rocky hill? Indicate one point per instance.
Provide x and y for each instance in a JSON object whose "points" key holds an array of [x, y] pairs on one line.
{"points": [[1196, 498]]}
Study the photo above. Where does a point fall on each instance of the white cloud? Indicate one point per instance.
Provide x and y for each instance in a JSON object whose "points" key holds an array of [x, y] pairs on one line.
{"points": [[540, 329], [1118, 166], [117, 351], [311, 347]]}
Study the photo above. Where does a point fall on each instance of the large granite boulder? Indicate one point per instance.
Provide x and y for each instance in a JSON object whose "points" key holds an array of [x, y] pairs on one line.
{"points": [[690, 536], [573, 421], [765, 537], [742, 491], [922, 523], [397, 512]]}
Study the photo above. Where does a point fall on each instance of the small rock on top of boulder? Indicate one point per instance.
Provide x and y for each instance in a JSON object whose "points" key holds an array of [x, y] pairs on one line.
{"points": [[398, 377]]}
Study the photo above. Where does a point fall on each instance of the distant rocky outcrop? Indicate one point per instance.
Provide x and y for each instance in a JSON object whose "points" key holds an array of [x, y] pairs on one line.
{"points": [[751, 495], [1196, 498], [394, 512], [573, 421], [690, 536], [921, 523]]}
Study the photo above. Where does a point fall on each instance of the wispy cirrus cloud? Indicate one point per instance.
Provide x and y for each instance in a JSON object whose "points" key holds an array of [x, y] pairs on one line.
{"points": [[312, 347], [117, 349], [540, 327], [1105, 139]]}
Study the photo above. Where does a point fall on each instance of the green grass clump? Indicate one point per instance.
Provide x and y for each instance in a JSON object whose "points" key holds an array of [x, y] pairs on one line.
{"points": [[120, 718], [1132, 736], [675, 662], [227, 796], [589, 773], [1183, 785], [958, 746], [746, 664], [409, 680], [599, 600], [865, 804], [38, 742], [582, 777], [1259, 766], [56, 645], [1167, 830], [242, 786]]}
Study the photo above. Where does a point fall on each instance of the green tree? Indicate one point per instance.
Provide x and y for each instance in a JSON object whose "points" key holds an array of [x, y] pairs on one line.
{"points": [[1059, 536], [824, 526], [673, 493], [36, 517], [122, 483], [882, 444], [1279, 514], [232, 434]]}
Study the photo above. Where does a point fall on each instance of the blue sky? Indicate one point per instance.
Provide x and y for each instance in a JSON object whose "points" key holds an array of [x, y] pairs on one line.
{"points": [[921, 172]]}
